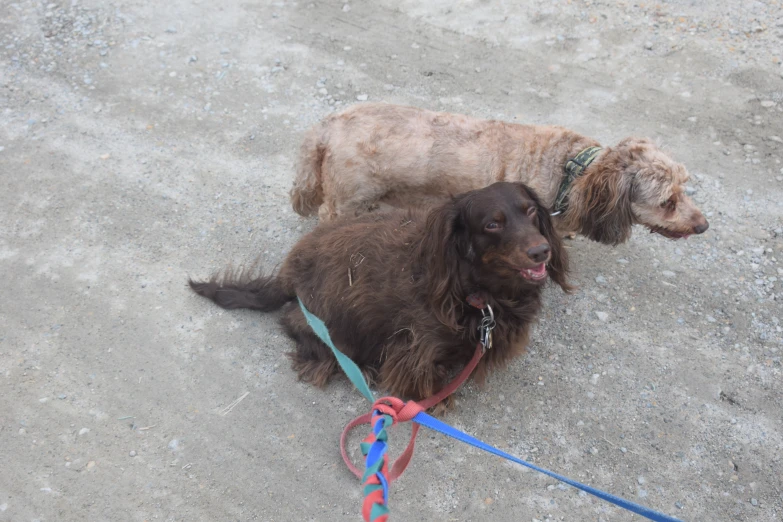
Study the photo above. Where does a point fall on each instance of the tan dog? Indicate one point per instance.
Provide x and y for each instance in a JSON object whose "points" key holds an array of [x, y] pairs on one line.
{"points": [[374, 154]]}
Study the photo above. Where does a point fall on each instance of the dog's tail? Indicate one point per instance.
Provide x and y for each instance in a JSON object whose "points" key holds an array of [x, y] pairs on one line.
{"points": [[307, 193], [244, 288]]}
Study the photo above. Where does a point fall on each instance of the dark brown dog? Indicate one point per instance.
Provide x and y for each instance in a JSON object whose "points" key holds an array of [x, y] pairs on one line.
{"points": [[392, 287]]}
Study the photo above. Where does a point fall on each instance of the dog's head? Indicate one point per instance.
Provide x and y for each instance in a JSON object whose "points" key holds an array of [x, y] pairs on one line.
{"points": [[500, 238], [635, 182]]}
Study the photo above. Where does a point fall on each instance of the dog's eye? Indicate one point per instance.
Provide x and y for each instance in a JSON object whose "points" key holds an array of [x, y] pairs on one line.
{"points": [[492, 225]]}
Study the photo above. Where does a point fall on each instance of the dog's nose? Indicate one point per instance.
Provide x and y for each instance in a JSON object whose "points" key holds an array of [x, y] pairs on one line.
{"points": [[539, 253], [702, 227]]}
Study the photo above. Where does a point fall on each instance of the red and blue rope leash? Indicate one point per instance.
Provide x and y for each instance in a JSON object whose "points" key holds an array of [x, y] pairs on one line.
{"points": [[388, 411]]}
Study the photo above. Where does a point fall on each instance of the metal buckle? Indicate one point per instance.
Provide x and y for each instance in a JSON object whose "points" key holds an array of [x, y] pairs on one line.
{"points": [[486, 327]]}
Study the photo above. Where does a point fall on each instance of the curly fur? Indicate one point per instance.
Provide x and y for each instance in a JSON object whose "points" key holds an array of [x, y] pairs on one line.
{"points": [[380, 154]]}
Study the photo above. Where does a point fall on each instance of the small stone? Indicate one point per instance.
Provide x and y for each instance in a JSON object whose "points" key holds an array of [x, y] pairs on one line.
{"points": [[172, 74], [323, 91], [346, 8], [648, 46], [601, 280], [641, 480], [668, 273], [602, 316], [754, 502], [61, 396], [690, 190], [623, 450], [43, 400], [768, 104], [192, 59], [84, 431], [91, 464], [594, 379], [207, 107], [593, 451], [105, 156], [132, 453], [171, 29], [710, 319], [622, 261], [678, 505], [362, 97]]}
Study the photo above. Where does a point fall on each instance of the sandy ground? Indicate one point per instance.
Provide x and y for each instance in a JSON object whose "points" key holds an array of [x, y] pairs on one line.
{"points": [[142, 142]]}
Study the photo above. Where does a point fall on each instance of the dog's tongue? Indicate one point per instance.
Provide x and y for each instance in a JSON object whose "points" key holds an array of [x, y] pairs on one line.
{"points": [[537, 272], [539, 269]]}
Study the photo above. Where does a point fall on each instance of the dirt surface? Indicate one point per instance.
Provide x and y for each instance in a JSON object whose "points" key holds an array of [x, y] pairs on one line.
{"points": [[142, 142]]}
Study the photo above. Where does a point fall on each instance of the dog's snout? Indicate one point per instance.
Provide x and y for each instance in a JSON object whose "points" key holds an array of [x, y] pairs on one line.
{"points": [[701, 227], [539, 253]]}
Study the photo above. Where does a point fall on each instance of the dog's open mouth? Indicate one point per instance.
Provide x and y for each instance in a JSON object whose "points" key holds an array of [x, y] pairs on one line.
{"points": [[537, 273], [671, 234]]}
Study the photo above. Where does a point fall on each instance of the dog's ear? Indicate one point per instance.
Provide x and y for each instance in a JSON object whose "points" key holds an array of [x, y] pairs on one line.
{"points": [[600, 204], [444, 244], [558, 261]]}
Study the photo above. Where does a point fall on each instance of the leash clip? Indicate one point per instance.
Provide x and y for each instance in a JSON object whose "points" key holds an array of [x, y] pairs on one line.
{"points": [[486, 327]]}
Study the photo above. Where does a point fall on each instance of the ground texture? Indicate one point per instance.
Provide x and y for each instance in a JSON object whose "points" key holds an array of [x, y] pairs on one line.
{"points": [[142, 142]]}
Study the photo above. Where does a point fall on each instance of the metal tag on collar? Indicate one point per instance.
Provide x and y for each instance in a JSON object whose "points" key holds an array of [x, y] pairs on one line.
{"points": [[486, 327]]}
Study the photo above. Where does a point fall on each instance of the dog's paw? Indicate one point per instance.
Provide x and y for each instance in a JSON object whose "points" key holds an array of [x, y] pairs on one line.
{"points": [[444, 406]]}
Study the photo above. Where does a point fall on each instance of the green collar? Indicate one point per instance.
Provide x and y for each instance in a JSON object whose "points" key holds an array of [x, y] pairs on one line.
{"points": [[574, 168]]}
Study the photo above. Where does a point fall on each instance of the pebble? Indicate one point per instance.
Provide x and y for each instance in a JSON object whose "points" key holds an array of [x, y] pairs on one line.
{"points": [[678, 505], [624, 450], [84, 431], [61, 396], [767, 104], [603, 316], [641, 480], [362, 97], [601, 280], [648, 46], [132, 453], [594, 379], [171, 29], [690, 190], [346, 8], [754, 502], [622, 261], [668, 273]]}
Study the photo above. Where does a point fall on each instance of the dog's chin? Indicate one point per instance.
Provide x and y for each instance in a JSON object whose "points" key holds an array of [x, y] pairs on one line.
{"points": [[536, 274], [671, 234]]}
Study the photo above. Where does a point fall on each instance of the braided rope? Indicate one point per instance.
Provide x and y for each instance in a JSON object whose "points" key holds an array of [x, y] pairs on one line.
{"points": [[375, 507]]}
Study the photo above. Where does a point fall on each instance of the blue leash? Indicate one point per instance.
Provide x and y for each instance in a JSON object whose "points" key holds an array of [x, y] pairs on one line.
{"points": [[355, 375], [434, 424]]}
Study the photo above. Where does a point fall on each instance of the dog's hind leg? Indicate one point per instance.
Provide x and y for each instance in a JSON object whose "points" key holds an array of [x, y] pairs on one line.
{"points": [[312, 359]]}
